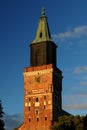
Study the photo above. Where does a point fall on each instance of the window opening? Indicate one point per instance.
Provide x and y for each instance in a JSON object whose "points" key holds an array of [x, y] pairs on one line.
{"points": [[44, 107], [29, 119], [37, 112], [45, 97], [45, 118], [37, 119], [40, 34], [38, 57], [29, 108], [37, 100]]}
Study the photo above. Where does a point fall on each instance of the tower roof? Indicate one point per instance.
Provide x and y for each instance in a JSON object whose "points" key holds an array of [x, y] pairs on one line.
{"points": [[43, 32]]}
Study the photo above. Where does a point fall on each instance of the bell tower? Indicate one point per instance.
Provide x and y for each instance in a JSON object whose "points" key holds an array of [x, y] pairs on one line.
{"points": [[42, 82], [43, 50]]}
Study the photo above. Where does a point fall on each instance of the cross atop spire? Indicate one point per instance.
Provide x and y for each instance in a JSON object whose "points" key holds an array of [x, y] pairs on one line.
{"points": [[43, 11]]}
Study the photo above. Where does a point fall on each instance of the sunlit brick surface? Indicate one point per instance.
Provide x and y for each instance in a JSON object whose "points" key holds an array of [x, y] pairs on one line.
{"points": [[42, 97]]}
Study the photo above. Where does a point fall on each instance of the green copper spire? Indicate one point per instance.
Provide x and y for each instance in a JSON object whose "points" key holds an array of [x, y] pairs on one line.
{"points": [[43, 33]]}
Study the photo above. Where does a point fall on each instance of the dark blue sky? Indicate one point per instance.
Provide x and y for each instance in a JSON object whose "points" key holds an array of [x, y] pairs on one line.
{"points": [[68, 26]]}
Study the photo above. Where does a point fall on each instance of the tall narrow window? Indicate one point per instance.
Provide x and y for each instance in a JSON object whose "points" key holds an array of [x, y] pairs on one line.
{"points": [[38, 57], [45, 97], [44, 107], [29, 108], [37, 119], [45, 118], [37, 104], [37, 100], [40, 34], [29, 119]]}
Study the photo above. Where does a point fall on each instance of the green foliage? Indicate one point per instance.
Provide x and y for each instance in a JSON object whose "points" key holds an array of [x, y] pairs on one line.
{"points": [[66, 122], [71, 123], [1, 116], [85, 122], [78, 122]]}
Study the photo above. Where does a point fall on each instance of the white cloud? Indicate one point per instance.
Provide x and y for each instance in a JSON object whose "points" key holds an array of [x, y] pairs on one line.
{"points": [[76, 32], [80, 70], [82, 106], [13, 121], [75, 102]]}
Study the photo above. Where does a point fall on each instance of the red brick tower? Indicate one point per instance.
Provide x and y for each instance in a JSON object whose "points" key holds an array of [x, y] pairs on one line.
{"points": [[42, 82]]}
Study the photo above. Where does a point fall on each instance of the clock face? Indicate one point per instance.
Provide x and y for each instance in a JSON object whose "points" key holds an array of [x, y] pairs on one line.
{"points": [[38, 79]]}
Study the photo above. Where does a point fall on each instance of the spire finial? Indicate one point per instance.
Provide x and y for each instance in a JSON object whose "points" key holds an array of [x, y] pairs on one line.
{"points": [[43, 12]]}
